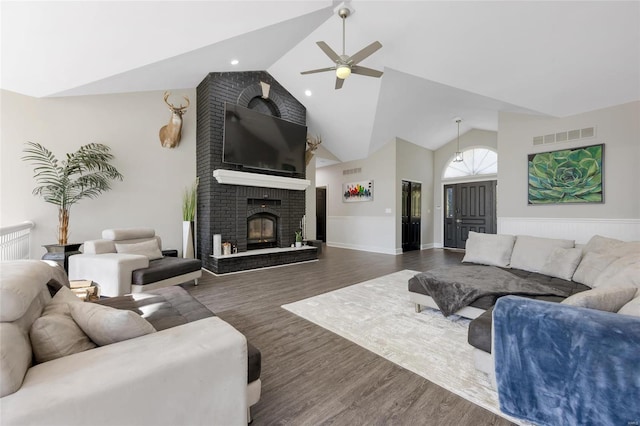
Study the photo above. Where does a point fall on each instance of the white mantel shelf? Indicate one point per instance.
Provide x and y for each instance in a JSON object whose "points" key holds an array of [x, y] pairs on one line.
{"points": [[233, 177]]}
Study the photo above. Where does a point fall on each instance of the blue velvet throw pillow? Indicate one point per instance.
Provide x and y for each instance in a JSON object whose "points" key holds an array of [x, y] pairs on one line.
{"points": [[564, 365]]}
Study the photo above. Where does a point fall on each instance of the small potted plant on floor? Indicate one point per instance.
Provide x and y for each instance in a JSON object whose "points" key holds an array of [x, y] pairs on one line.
{"points": [[85, 173], [299, 238], [189, 198]]}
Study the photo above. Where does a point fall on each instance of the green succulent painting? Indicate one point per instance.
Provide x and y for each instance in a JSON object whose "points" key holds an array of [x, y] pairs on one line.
{"points": [[566, 176]]}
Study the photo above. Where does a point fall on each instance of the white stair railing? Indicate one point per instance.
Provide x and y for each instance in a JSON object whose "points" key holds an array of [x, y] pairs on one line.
{"points": [[15, 241]]}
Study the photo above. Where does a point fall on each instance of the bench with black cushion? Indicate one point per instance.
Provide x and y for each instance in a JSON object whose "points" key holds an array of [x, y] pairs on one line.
{"points": [[165, 268]]}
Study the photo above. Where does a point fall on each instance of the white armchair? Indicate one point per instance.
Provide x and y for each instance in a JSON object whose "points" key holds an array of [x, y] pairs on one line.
{"points": [[130, 261]]}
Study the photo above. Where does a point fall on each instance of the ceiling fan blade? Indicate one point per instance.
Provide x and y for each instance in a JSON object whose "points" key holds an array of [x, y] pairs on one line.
{"points": [[318, 70], [328, 51], [339, 83], [366, 71], [364, 53]]}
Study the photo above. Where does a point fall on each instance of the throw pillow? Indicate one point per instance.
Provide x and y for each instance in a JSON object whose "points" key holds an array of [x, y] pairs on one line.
{"points": [[531, 253], [622, 270], [600, 244], [609, 299], [631, 308], [562, 263], [591, 266], [55, 334], [105, 325], [489, 249], [146, 248]]}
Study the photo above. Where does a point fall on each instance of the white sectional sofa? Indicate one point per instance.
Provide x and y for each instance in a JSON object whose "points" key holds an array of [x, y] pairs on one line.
{"points": [[189, 374]]}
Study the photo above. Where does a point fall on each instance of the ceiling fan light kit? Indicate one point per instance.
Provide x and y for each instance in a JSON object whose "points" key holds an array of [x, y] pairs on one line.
{"points": [[345, 64]]}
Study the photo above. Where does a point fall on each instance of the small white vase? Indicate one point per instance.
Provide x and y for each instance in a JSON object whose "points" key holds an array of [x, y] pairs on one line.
{"points": [[298, 244], [187, 239]]}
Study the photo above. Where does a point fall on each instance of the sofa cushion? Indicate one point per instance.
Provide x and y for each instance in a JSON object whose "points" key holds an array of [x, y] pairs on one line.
{"points": [[128, 233], [610, 298], [149, 249], [55, 334], [105, 325], [167, 267], [591, 266], [562, 262], [624, 270], [531, 253], [15, 357], [600, 244], [20, 284], [632, 307], [489, 249]]}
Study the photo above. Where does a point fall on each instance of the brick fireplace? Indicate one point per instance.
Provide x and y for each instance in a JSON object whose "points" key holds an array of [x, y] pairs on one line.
{"points": [[228, 209]]}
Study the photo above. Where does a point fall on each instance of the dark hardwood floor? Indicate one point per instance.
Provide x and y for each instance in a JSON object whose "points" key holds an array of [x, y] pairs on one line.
{"points": [[311, 376]]}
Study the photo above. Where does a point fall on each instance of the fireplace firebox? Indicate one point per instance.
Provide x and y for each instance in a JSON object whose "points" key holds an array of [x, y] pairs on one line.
{"points": [[262, 231]]}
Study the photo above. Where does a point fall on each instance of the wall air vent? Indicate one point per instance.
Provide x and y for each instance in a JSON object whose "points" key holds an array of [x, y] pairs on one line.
{"points": [[569, 135], [352, 171]]}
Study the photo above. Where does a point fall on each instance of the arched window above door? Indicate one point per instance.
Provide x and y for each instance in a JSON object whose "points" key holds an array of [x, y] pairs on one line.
{"points": [[476, 161]]}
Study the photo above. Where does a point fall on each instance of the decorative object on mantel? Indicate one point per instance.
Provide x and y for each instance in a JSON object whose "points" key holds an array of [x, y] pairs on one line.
{"points": [[217, 244], [171, 133], [299, 238], [312, 144], [189, 198], [346, 65], [566, 176], [85, 173], [458, 157], [265, 89], [226, 248], [357, 191]]}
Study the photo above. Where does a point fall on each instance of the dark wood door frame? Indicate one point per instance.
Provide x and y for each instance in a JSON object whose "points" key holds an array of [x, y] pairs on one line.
{"points": [[321, 213], [411, 215]]}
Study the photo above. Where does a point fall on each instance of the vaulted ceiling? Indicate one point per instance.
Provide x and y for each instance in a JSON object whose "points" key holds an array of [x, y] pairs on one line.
{"points": [[440, 59]]}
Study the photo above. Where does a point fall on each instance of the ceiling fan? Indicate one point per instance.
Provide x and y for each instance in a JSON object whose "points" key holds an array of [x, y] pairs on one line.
{"points": [[347, 65]]}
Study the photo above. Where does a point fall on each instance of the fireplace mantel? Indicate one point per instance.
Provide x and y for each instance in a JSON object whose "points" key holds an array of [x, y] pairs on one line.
{"points": [[233, 177]]}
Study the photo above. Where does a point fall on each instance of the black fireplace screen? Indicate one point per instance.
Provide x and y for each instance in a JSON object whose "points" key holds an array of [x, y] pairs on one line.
{"points": [[261, 230]]}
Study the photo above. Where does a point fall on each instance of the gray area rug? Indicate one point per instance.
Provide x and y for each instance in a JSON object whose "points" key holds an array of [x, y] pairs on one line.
{"points": [[378, 316]]}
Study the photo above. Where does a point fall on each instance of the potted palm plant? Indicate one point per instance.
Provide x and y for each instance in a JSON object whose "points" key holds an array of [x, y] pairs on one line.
{"points": [[85, 173], [189, 198]]}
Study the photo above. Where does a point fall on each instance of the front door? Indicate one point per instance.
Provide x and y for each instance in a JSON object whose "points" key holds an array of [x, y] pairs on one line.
{"points": [[468, 207], [411, 215]]}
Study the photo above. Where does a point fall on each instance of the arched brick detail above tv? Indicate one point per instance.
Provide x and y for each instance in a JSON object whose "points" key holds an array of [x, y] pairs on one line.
{"points": [[255, 91]]}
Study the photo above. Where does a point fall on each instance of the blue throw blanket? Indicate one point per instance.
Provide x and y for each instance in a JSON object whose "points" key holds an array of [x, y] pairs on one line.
{"points": [[562, 365]]}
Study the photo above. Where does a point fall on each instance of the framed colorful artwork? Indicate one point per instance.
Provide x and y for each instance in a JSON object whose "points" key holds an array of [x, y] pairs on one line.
{"points": [[357, 191], [567, 176]]}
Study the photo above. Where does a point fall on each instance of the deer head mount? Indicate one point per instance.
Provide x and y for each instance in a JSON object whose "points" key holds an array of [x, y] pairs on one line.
{"points": [[312, 144], [171, 133]]}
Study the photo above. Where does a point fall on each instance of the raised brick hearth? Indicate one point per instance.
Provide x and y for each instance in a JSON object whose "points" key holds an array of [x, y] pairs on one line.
{"points": [[224, 208]]}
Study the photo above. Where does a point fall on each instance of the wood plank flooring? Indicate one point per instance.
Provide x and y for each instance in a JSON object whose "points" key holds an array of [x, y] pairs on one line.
{"points": [[311, 376]]}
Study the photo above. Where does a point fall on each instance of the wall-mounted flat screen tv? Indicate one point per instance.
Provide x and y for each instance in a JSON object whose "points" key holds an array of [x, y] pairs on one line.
{"points": [[260, 141]]}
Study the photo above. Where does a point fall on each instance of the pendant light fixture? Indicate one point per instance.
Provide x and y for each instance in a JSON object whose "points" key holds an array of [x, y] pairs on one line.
{"points": [[458, 157]]}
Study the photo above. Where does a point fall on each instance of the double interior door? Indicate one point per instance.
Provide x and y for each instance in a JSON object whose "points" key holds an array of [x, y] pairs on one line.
{"points": [[468, 207], [411, 215]]}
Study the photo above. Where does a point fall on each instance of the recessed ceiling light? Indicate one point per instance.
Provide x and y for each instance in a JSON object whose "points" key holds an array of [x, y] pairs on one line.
{"points": [[308, 92], [235, 62]]}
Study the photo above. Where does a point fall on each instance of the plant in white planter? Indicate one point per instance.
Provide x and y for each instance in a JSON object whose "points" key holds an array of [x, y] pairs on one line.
{"points": [[299, 238], [189, 198]]}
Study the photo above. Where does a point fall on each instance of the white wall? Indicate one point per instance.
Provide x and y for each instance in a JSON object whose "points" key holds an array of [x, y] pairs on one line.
{"points": [[310, 201], [154, 177], [363, 225], [618, 128], [415, 164], [474, 138]]}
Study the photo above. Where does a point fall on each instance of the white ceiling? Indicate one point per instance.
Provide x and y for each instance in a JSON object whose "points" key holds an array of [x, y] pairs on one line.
{"points": [[440, 59]]}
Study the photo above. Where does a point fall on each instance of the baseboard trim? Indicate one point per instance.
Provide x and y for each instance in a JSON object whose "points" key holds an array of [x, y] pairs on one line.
{"points": [[370, 249]]}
